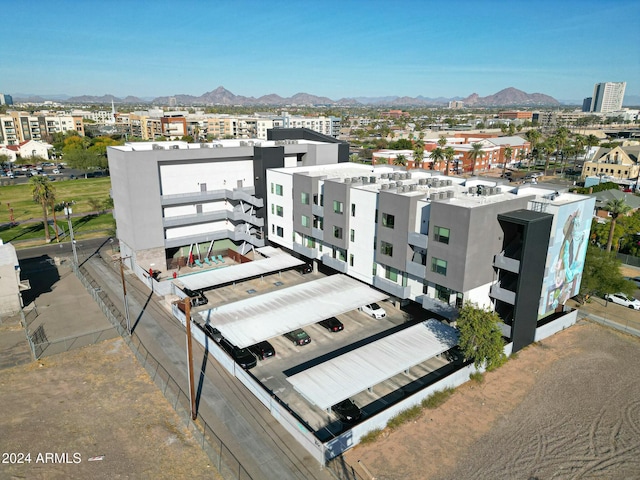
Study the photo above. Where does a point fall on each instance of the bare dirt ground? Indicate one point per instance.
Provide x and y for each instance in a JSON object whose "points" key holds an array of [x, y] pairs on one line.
{"points": [[97, 402], [565, 408]]}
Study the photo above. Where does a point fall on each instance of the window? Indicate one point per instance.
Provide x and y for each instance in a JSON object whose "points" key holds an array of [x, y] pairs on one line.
{"points": [[280, 231], [391, 274], [441, 234], [351, 259], [338, 207], [388, 220], [306, 222], [273, 209], [304, 198], [278, 189], [386, 248], [272, 187], [439, 266], [443, 293], [279, 211], [353, 209], [310, 242], [352, 235], [337, 232]]}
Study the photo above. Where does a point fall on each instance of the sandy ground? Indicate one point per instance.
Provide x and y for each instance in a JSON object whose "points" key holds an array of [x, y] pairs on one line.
{"points": [[94, 402], [565, 408]]}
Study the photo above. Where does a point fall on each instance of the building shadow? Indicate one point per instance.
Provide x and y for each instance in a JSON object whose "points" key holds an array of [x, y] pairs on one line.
{"points": [[42, 273]]}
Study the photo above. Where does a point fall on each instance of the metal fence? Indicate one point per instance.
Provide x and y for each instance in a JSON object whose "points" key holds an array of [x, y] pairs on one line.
{"points": [[629, 259], [226, 463], [41, 346]]}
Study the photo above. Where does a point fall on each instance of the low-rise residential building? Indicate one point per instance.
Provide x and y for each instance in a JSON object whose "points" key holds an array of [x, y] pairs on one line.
{"points": [[27, 149], [619, 163]]}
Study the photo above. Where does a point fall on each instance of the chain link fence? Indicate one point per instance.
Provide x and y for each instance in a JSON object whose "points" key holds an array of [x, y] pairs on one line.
{"points": [[226, 463]]}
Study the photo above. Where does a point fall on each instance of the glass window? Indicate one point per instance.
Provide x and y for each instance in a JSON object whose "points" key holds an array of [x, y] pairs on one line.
{"points": [[391, 274], [439, 266], [441, 234], [280, 231], [353, 209], [272, 187], [388, 220], [352, 235], [278, 189], [351, 259], [273, 208], [310, 241], [386, 248], [337, 207], [304, 198], [279, 211], [443, 293], [306, 222], [337, 232]]}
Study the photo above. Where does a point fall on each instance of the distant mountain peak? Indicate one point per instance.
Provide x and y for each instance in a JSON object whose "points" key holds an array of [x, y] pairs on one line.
{"points": [[510, 96]]}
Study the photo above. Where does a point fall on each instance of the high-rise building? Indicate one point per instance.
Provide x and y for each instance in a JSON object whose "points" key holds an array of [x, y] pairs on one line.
{"points": [[5, 99], [607, 97]]}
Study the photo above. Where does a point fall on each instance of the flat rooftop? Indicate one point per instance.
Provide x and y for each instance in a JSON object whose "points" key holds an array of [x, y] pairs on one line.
{"points": [[231, 143]]}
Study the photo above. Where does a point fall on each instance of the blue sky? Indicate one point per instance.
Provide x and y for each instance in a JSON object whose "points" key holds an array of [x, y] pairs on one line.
{"points": [[329, 48]]}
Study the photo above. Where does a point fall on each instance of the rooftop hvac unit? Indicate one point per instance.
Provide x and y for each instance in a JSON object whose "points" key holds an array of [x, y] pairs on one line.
{"points": [[155, 146], [498, 190], [384, 175], [396, 176], [372, 179], [204, 145], [408, 174], [398, 184], [422, 181], [365, 179], [355, 179], [244, 144], [472, 189], [347, 180], [414, 187], [217, 145], [449, 193], [484, 191], [434, 196], [384, 186], [442, 195], [402, 176], [175, 147], [449, 183]]}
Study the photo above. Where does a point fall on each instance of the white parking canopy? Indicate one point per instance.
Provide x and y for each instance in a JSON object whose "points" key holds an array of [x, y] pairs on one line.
{"points": [[341, 377], [259, 318], [277, 260]]}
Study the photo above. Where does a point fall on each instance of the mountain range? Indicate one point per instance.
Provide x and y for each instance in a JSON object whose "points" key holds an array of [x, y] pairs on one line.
{"points": [[508, 97]]}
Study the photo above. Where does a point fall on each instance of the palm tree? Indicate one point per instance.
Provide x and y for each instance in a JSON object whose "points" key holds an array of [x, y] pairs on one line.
{"points": [[533, 136], [449, 154], [437, 155], [442, 141], [615, 207], [43, 193], [418, 157], [400, 160], [549, 146], [508, 152], [475, 153]]}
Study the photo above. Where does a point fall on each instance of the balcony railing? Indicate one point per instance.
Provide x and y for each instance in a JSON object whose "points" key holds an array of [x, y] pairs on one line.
{"points": [[416, 269], [391, 287], [334, 263], [500, 293], [306, 251], [506, 263], [418, 240]]}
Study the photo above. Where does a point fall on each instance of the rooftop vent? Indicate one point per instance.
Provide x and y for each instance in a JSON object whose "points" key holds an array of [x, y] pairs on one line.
{"points": [[365, 179], [408, 174], [384, 175], [434, 196], [384, 186], [372, 179], [347, 180], [422, 181], [398, 184], [449, 193], [414, 187]]}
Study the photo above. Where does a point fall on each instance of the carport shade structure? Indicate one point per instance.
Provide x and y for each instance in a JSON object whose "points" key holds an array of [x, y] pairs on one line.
{"points": [[342, 377], [262, 317]]}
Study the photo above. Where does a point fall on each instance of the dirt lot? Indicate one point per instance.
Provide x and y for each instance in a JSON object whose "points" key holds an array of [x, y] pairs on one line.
{"points": [[93, 402], [566, 408]]}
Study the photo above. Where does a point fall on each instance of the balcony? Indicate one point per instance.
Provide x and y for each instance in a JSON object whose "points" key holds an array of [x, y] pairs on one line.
{"points": [[306, 251], [416, 269], [505, 263], [500, 293], [437, 306], [317, 233], [418, 240], [334, 263], [254, 238], [317, 210], [194, 219], [192, 197], [391, 288]]}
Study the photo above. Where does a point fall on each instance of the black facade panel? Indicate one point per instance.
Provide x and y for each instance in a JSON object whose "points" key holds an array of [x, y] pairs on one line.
{"points": [[264, 158], [307, 134]]}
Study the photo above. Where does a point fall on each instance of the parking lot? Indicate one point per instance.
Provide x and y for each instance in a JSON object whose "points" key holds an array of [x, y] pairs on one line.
{"points": [[359, 329]]}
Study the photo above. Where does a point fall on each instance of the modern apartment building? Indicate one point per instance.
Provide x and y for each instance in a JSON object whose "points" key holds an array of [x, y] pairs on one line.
{"points": [[607, 96], [189, 194], [437, 241], [5, 99], [17, 127]]}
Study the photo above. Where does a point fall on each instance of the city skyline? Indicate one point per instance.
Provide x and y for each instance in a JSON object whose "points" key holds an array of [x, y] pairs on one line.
{"points": [[332, 49]]}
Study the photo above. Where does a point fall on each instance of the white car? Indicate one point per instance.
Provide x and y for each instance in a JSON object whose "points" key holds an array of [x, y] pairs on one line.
{"points": [[373, 309], [55, 171], [622, 299]]}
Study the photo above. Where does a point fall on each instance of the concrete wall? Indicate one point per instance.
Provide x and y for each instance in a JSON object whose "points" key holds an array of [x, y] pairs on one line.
{"points": [[10, 300]]}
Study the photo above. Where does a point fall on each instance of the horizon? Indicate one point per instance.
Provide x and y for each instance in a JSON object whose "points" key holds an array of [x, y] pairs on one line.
{"points": [[333, 50]]}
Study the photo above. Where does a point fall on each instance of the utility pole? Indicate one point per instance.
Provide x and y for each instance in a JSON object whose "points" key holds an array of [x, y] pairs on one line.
{"points": [[187, 314], [124, 292], [68, 211]]}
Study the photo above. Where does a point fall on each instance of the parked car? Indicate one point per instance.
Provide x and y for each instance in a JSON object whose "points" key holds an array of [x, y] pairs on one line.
{"points": [[635, 280], [198, 298], [298, 337], [347, 411], [624, 300], [212, 332], [263, 350], [55, 171], [332, 324], [306, 268], [242, 356], [373, 309]]}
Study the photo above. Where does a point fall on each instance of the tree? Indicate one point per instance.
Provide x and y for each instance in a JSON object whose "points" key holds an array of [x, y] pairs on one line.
{"points": [[549, 146], [449, 154], [475, 153], [400, 160], [401, 144], [418, 157], [533, 136], [601, 274], [442, 141], [437, 155], [481, 337], [508, 152], [615, 207], [592, 141], [43, 193]]}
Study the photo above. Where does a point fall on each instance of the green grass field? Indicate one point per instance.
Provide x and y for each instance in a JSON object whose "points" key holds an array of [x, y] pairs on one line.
{"points": [[25, 210]]}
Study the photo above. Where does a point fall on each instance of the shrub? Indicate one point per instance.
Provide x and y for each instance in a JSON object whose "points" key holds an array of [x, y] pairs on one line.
{"points": [[437, 398], [477, 377], [371, 436], [404, 417]]}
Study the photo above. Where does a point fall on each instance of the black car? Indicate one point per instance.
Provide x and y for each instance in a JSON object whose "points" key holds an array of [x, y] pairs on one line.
{"points": [[347, 412], [262, 350], [198, 298], [212, 332], [242, 356], [298, 337], [332, 324]]}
